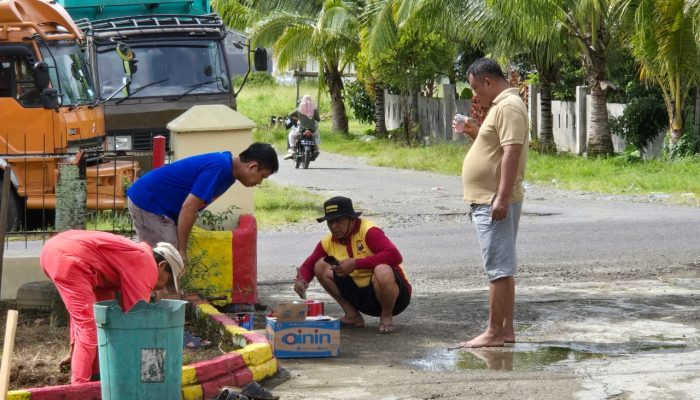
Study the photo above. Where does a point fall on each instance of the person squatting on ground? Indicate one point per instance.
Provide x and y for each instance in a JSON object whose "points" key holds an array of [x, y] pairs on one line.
{"points": [[164, 203], [492, 176], [307, 119], [366, 275], [89, 266]]}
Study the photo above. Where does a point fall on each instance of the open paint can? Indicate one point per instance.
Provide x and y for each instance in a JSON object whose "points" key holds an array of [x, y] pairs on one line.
{"points": [[314, 308]]}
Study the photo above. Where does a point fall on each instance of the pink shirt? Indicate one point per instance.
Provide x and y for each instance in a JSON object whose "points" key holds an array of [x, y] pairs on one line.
{"points": [[109, 262]]}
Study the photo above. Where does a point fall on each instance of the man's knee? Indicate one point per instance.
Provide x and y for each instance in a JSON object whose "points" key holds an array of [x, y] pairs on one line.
{"points": [[383, 276], [321, 269]]}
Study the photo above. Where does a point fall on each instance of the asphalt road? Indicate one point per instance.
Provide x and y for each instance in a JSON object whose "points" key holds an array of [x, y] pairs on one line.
{"points": [[606, 302]]}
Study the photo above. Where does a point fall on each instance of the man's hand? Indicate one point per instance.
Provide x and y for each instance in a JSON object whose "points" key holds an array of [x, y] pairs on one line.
{"points": [[345, 267], [300, 287], [499, 208]]}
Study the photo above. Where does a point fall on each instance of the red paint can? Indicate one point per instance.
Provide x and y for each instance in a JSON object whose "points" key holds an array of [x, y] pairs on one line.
{"points": [[314, 308]]}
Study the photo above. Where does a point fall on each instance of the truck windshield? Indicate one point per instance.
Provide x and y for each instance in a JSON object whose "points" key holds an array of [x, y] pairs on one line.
{"points": [[67, 66], [165, 69]]}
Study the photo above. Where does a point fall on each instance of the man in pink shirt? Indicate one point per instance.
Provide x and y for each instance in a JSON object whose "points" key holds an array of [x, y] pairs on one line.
{"points": [[89, 266]]}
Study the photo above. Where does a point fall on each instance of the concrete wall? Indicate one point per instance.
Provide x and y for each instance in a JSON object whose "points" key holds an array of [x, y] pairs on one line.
{"points": [[570, 127], [434, 114], [16, 271]]}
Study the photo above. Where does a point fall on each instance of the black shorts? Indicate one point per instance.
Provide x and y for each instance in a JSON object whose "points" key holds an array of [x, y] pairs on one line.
{"points": [[365, 301]]}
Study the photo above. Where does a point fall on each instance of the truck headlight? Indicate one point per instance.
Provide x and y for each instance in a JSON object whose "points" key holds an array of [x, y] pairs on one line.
{"points": [[117, 143]]}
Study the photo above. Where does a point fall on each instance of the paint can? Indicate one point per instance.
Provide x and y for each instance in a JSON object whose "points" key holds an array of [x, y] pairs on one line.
{"points": [[314, 308]]}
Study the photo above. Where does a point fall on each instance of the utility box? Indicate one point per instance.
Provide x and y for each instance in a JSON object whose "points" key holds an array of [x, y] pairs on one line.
{"points": [[140, 351], [211, 128]]}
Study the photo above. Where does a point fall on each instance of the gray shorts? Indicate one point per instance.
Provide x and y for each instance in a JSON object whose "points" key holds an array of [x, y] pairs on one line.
{"points": [[497, 239], [152, 228]]}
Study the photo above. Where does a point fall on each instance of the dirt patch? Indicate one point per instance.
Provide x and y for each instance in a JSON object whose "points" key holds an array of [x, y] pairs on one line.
{"points": [[39, 346], [41, 343]]}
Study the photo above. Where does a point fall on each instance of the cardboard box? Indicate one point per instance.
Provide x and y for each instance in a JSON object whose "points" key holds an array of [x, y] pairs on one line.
{"points": [[314, 337], [290, 311]]}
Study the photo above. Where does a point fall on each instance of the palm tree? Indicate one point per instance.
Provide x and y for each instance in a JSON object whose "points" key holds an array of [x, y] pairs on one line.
{"points": [[663, 36], [327, 31]]}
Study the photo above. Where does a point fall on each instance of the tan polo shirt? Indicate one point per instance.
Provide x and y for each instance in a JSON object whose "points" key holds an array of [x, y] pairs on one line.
{"points": [[505, 123]]}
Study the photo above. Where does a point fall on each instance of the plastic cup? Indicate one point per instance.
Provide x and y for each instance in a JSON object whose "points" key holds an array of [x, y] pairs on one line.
{"points": [[460, 120]]}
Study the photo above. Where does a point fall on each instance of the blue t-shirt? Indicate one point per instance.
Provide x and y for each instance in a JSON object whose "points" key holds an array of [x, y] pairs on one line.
{"points": [[163, 190]]}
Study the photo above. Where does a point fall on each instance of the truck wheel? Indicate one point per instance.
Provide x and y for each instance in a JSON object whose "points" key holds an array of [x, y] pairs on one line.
{"points": [[14, 207]]}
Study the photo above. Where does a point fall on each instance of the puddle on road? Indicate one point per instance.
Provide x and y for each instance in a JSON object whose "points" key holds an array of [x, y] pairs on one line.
{"points": [[536, 356]]}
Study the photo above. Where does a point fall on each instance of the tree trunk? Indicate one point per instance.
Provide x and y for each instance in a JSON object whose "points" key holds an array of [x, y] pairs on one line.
{"points": [[335, 89], [599, 138], [546, 133], [379, 119], [696, 119]]}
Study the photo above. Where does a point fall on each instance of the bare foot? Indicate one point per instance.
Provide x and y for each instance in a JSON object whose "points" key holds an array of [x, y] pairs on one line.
{"points": [[356, 321], [483, 340], [509, 338], [386, 325]]}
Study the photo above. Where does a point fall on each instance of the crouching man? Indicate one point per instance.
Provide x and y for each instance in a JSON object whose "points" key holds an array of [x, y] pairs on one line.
{"points": [[358, 266]]}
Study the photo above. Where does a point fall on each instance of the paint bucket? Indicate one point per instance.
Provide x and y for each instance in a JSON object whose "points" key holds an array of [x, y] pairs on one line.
{"points": [[314, 308]]}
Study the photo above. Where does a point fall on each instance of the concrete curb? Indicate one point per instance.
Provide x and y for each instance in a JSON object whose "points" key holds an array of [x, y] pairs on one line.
{"points": [[201, 380]]}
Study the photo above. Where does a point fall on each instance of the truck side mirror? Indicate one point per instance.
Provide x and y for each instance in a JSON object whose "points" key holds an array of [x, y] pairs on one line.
{"points": [[41, 75], [50, 99], [260, 59]]}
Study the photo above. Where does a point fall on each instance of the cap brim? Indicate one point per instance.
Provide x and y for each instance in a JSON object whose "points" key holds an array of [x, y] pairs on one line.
{"points": [[334, 217]]}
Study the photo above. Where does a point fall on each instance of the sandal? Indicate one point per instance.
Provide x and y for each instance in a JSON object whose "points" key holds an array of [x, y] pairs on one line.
{"points": [[252, 391]]}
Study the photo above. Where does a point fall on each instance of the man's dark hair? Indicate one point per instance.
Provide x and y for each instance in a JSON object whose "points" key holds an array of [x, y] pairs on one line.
{"points": [[264, 154], [485, 66]]}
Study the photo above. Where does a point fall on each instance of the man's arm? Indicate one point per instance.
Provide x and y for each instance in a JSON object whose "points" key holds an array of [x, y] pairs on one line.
{"points": [[305, 273], [509, 170], [385, 252], [185, 221]]}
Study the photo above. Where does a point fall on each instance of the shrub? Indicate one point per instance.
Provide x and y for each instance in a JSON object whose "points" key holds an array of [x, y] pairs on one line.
{"points": [[643, 119], [362, 105]]}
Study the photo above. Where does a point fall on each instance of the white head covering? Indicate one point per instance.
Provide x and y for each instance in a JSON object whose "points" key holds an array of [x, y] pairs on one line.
{"points": [[172, 256], [307, 106]]}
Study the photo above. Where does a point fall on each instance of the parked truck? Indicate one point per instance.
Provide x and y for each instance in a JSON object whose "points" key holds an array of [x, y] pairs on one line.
{"points": [[180, 53], [49, 112]]}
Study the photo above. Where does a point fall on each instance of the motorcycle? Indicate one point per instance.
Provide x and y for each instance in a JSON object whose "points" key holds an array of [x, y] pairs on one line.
{"points": [[306, 150]]}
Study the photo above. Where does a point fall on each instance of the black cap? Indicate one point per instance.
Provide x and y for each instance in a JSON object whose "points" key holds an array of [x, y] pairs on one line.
{"points": [[338, 207]]}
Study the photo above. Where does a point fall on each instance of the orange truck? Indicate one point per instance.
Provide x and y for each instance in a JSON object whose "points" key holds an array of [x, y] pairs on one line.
{"points": [[50, 112]]}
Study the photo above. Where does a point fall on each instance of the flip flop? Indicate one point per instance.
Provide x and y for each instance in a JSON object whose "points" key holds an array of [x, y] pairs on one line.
{"points": [[349, 325], [231, 394], [387, 328], [252, 391]]}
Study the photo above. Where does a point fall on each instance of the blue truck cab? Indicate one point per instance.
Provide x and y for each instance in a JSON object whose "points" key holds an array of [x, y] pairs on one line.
{"points": [[180, 61]]}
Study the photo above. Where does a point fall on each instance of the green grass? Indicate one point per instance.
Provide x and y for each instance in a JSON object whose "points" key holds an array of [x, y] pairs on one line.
{"points": [[276, 204], [613, 175]]}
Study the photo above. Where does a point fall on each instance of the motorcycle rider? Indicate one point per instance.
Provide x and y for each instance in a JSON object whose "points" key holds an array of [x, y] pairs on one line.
{"points": [[306, 118]]}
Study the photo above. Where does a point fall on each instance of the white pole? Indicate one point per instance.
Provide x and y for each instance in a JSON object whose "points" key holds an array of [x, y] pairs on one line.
{"points": [[9, 345]]}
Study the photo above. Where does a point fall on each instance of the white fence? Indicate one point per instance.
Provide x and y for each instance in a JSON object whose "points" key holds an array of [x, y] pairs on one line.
{"points": [[569, 126]]}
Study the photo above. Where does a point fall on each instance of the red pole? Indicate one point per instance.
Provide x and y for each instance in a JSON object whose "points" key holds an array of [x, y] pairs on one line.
{"points": [[158, 151]]}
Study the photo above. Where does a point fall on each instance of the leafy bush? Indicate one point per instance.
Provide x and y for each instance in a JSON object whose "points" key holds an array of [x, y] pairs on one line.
{"points": [[362, 105], [642, 120], [257, 79], [689, 143]]}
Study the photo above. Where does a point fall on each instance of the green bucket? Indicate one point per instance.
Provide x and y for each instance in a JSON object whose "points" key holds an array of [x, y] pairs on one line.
{"points": [[140, 351]]}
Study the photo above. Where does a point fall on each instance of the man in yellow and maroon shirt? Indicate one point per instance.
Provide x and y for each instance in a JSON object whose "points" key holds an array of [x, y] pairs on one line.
{"points": [[358, 266]]}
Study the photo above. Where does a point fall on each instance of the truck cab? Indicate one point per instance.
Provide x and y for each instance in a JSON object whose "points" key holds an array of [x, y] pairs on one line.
{"points": [[179, 48], [49, 110]]}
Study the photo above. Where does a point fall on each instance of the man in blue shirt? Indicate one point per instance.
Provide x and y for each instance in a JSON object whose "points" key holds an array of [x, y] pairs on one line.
{"points": [[164, 203]]}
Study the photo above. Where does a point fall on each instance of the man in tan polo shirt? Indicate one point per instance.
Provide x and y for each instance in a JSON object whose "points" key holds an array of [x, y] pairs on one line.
{"points": [[492, 175]]}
